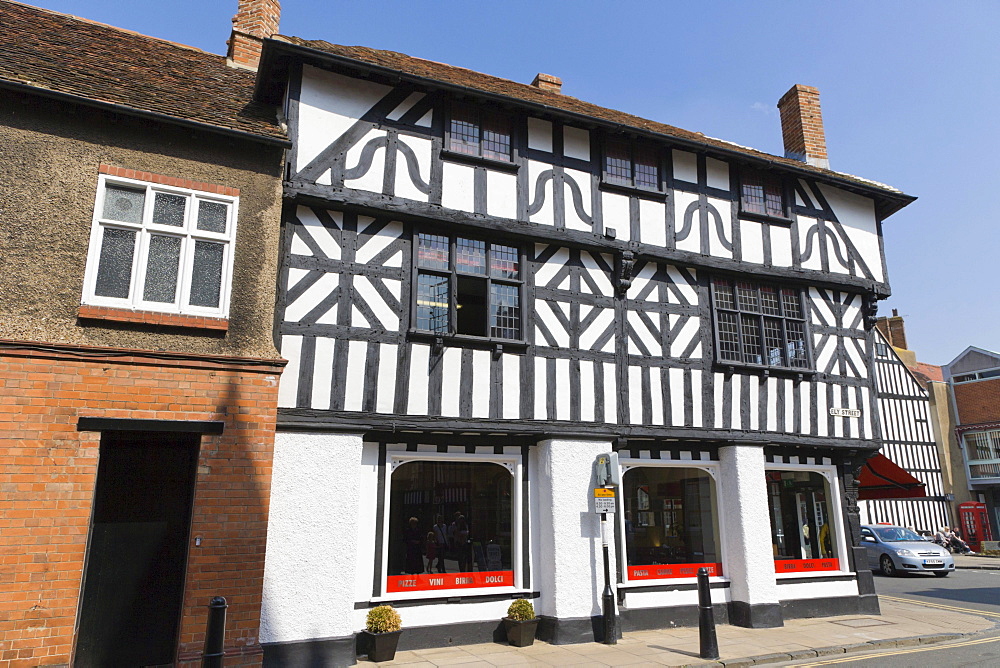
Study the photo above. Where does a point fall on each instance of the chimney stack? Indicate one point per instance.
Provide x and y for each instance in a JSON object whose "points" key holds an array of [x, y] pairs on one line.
{"points": [[547, 82], [255, 21], [802, 126], [893, 329]]}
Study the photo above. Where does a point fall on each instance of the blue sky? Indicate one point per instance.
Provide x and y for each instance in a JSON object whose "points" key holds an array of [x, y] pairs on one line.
{"points": [[910, 92]]}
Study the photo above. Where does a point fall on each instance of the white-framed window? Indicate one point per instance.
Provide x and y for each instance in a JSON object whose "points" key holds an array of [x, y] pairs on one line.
{"points": [[160, 248], [670, 514], [807, 531], [452, 524]]}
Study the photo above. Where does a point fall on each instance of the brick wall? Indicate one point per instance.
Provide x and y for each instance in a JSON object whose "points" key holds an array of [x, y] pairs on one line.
{"points": [[48, 470], [978, 401]]}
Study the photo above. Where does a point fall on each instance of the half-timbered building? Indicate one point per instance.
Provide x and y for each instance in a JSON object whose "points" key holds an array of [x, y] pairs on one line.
{"points": [[484, 285]]}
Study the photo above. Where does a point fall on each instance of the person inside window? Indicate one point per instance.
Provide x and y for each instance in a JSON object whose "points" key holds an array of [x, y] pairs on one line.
{"points": [[413, 539]]}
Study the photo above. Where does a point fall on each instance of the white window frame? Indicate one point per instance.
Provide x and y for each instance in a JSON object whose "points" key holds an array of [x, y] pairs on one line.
{"points": [[829, 472], [513, 465], [709, 467], [144, 230]]}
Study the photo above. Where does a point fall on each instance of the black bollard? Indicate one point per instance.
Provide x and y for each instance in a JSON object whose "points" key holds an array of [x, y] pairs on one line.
{"points": [[706, 618], [215, 636], [610, 619]]}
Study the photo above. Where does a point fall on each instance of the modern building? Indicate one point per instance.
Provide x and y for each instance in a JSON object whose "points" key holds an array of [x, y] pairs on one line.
{"points": [[485, 285], [141, 196]]}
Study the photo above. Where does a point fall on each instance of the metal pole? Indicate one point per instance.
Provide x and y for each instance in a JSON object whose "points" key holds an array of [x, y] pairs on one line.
{"points": [[215, 636], [706, 618], [608, 598]]}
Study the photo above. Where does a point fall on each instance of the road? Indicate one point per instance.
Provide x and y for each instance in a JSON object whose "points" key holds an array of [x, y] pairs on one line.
{"points": [[965, 590]]}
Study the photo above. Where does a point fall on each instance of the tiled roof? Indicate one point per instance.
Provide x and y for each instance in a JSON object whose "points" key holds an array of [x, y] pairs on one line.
{"points": [[68, 55], [477, 81]]}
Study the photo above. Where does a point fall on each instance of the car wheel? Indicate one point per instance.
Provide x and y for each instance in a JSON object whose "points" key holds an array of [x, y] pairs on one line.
{"points": [[941, 574], [888, 568]]}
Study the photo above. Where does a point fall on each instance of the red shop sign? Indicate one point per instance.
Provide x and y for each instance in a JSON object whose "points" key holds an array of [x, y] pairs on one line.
{"points": [[433, 581], [805, 565], [663, 571]]}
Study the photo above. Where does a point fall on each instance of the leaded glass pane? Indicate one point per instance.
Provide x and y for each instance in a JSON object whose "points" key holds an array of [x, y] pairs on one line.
{"points": [[750, 328], [617, 164], [169, 209], [504, 262], [162, 262], [753, 193], [464, 131], [762, 193], [123, 204], [729, 338], [432, 251], [769, 304], [432, 303], [796, 334], [791, 303], [772, 342], [496, 137], [746, 296], [647, 173], [470, 256], [114, 271], [206, 275], [212, 216], [724, 294], [505, 311]]}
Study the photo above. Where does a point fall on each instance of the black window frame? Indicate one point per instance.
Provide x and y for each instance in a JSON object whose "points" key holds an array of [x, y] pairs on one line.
{"points": [[808, 363], [453, 274], [765, 176], [633, 145], [479, 110]]}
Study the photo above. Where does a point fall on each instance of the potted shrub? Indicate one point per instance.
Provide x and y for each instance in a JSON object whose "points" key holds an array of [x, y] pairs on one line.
{"points": [[521, 623], [382, 630]]}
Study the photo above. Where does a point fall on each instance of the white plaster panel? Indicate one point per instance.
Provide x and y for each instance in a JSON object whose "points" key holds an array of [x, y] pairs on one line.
{"points": [[789, 591], [652, 222], [772, 405], [648, 338], [686, 289], [569, 570], [312, 227], [717, 173], [656, 394], [385, 390], [458, 187], [312, 554], [676, 397], [573, 219], [545, 215], [754, 402], [615, 212], [587, 390], [288, 384], [685, 166], [696, 416], [749, 560], [357, 356], [805, 389], [688, 332], [724, 209], [600, 277], [545, 311], [376, 243], [637, 599], [734, 414], [387, 318], [589, 336], [576, 143], [373, 179], [789, 425], [856, 214], [451, 371], [692, 242], [311, 297], [822, 414], [501, 194], [751, 241], [548, 270], [367, 473], [405, 187], [562, 398], [323, 373], [718, 388], [610, 394], [511, 386], [540, 134], [781, 245], [480, 384], [416, 403], [358, 318], [814, 261], [541, 389], [635, 398], [328, 106], [405, 105]]}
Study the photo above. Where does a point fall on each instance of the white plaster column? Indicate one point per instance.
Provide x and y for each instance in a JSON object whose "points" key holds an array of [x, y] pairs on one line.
{"points": [[568, 561], [747, 537], [309, 569]]}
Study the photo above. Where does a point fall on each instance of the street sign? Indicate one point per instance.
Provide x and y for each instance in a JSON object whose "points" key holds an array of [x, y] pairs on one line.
{"points": [[604, 500], [845, 412]]}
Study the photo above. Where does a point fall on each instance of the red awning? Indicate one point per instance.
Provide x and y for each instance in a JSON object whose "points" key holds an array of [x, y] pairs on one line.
{"points": [[882, 479]]}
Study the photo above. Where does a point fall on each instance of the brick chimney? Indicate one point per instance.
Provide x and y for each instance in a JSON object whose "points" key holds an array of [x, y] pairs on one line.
{"points": [[547, 82], [255, 20], [893, 330], [802, 126]]}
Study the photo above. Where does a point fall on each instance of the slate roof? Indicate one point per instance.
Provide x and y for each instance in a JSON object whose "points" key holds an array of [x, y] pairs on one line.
{"points": [[484, 83], [67, 55]]}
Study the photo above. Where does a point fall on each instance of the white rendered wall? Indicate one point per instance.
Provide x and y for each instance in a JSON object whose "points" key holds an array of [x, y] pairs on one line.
{"points": [[309, 569], [568, 564], [747, 540]]}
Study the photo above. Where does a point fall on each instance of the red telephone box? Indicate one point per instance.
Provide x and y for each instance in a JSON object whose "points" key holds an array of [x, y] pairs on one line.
{"points": [[974, 523]]}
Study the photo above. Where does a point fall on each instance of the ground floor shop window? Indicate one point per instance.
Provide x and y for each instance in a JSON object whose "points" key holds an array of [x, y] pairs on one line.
{"points": [[803, 534], [450, 525], [671, 522]]}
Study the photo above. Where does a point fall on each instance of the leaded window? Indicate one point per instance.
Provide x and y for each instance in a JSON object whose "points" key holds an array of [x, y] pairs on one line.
{"points": [[479, 132], [468, 287], [759, 324], [629, 163], [762, 193]]}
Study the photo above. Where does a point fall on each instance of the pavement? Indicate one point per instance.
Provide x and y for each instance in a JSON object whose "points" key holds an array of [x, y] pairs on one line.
{"points": [[902, 623]]}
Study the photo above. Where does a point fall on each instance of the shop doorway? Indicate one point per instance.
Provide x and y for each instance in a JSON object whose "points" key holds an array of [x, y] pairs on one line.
{"points": [[134, 574]]}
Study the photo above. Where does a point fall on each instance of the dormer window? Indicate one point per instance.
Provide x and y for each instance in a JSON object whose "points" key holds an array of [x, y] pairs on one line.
{"points": [[627, 163], [762, 193], [478, 132]]}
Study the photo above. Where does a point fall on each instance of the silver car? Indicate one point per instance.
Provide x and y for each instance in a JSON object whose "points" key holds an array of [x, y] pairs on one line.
{"points": [[895, 550]]}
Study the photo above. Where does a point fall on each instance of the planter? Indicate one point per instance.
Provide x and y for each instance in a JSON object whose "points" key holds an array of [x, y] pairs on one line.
{"points": [[520, 634], [381, 646]]}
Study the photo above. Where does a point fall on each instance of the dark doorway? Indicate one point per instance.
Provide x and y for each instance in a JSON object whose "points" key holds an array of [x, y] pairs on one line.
{"points": [[134, 578]]}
